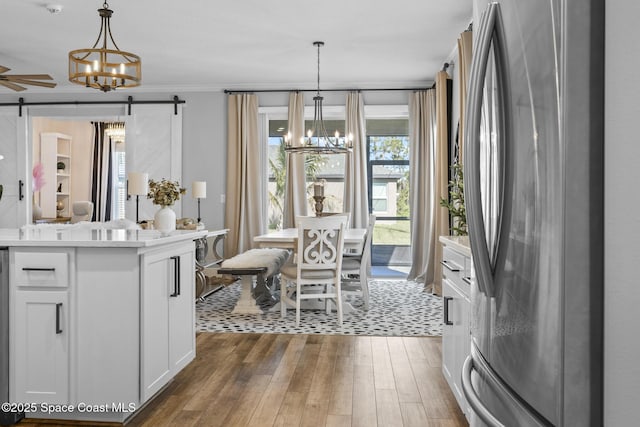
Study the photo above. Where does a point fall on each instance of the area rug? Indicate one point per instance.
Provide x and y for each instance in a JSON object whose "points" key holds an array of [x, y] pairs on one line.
{"points": [[397, 308]]}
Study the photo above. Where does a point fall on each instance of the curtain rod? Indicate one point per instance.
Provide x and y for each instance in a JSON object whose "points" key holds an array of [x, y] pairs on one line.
{"points": [[415, 89], [130, 101]]}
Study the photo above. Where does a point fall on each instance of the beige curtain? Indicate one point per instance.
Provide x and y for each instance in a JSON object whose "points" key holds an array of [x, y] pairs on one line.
{"points": [[422, 141], [295, 196], [245, 195], [428, 136], [464, 67], [441, 173], [356, 200]]}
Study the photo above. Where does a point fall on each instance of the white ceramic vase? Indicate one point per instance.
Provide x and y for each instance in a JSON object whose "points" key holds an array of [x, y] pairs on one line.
{"points": [[164, 220], [36, 210]]}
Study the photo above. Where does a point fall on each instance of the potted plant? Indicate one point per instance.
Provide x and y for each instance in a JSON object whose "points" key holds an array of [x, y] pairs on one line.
{"points": [[61, 167], [165, 193], [455, 203]]}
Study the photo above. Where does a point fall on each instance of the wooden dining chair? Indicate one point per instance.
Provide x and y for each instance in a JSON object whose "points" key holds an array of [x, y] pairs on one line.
{"points": [[356, 267], [317, 270]]}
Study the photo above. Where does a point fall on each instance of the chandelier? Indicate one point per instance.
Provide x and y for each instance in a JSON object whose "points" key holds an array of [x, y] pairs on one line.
{"points": [[102, 67], [115, 131], [317, 140]]}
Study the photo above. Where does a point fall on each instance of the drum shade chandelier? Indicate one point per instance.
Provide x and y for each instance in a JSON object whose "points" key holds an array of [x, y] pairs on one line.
{"points": [[103, 67], [317, 140]]}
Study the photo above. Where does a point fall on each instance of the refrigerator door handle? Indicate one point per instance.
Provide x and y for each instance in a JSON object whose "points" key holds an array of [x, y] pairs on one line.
{"points": [[473, 199], [519, 412], [473, 398]]}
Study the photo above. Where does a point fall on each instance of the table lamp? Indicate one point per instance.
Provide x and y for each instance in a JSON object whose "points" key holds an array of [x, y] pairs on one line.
{"points": [[199, 191], [138, 186]]}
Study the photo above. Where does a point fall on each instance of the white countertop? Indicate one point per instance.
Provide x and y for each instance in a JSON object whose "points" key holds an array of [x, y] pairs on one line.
{"points": [[459, 243], [84, 237]]}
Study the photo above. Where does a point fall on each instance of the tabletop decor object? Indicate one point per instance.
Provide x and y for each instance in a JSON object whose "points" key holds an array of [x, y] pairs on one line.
{"points": [[165, 193], [199, 191], [37, 184], [318, 196], [138, 185]]}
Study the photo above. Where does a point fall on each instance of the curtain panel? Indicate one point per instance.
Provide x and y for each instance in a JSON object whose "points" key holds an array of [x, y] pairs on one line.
{"points": [[101, 171], [422, 141], [356, 200], [428, 136], [245, 195], [465, 43], [295, 196], [441, 173]]}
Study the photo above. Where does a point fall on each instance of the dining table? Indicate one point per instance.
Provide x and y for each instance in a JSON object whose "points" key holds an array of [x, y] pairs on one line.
{"points": [[287, 238]]}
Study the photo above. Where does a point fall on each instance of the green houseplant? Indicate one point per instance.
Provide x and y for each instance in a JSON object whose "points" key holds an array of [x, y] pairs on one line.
{"points": [[61, 166], [455, 203]]}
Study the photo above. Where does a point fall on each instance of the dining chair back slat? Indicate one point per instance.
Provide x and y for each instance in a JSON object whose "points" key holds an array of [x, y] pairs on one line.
{"points": [[318, 264]]}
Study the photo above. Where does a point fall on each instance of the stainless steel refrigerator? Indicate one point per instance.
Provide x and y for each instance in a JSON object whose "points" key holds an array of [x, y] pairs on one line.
{"points": [[534, 197]]}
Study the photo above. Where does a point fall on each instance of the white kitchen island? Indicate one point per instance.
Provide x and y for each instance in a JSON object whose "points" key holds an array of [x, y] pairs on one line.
{"points": [[100, 320]]}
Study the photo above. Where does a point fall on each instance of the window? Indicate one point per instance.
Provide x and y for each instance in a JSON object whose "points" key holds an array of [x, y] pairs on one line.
{"points": [[379, 198], [119, 185], [331, 168], [388, 177]]}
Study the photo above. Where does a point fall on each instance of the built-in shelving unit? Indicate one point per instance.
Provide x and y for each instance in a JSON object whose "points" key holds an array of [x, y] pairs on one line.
{"points": [[55, 195]]}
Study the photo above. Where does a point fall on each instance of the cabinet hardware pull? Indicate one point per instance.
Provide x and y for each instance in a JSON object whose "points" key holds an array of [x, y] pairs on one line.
{"points": [[58, 310], [38, 269], [446, 310], [176, 276], [20, 185], [467, 280], [449, 266]]}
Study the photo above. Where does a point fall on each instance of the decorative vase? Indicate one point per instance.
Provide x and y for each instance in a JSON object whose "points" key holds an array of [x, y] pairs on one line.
{"points": [[165, 219], [36, 210]]}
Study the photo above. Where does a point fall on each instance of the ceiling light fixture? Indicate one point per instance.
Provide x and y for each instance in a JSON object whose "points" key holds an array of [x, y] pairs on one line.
{"points": [[115, 131], [317, 140], [102, 67]]}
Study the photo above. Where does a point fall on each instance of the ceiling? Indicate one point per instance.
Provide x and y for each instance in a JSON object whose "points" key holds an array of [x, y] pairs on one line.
{"points": [[242, 44]]}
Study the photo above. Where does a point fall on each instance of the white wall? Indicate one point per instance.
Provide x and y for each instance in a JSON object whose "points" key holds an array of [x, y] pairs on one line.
{"points": [[622, 215]]}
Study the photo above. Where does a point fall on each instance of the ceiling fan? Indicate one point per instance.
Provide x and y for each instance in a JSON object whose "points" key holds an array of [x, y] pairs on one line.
{"points": [[14, 81]]}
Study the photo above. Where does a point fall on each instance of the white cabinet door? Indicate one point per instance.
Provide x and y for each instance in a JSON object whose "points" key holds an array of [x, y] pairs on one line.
{"points": [[182, 312], [168, 315], [156, 284], [455, 338], [41, 347]]}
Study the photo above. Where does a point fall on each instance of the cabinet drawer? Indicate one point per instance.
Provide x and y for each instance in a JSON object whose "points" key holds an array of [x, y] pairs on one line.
{"points": [[453, 261], [41, 269]]}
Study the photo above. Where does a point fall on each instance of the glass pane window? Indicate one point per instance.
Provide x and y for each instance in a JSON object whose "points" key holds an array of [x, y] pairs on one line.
{"points": [[276, 185], [379, 197], [328, 167], [388, 170], [119, 185]]}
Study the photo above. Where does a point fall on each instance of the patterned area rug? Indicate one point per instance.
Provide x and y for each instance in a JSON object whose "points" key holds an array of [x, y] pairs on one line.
{"points": [[397, 308]]}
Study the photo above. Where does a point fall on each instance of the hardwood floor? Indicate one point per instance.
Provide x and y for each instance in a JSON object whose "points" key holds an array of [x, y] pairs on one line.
{"points": [[307, 380]]}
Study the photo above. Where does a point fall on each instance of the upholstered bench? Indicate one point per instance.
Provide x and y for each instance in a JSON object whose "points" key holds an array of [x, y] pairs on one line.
{"points": [[264, 264]]}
